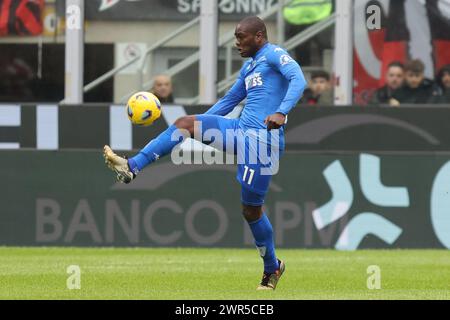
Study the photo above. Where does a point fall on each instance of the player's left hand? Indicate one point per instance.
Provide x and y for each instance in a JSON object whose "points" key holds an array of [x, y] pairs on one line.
{"points": [[275, 121]]}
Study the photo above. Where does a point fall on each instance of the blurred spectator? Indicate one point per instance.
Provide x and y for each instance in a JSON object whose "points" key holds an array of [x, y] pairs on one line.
{"points": [[417, 88], [395, 78], [319, 91], [443, 80], [162, 88]]}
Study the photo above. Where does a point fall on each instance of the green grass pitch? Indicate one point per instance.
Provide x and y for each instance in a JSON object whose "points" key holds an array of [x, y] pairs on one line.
{"points": [[149, 273]]}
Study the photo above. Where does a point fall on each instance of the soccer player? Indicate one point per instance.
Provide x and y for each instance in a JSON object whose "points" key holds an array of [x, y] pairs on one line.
{"points": [[273, 83]]}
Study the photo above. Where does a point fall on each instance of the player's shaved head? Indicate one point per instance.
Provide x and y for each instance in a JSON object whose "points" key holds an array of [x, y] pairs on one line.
{"points": [[253, 25], [251, 35]]}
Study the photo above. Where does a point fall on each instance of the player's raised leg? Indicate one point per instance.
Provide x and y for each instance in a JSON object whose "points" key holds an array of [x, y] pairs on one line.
{"points": [[184, 127], [127, 169]]}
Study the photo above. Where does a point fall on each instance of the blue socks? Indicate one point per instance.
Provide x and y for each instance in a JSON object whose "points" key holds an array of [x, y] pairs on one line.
{"points": [[263, 234], [158, 147]]}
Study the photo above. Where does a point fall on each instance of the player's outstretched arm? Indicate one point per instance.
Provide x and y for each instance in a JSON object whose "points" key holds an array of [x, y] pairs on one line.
{"points": [[236, 94]]}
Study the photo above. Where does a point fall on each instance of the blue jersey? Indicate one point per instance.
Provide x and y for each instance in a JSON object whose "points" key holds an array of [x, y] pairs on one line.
{"points": [[271, 81]]}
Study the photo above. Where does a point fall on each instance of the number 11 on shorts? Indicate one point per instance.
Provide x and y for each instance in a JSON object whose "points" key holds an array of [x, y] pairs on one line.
{"points": [[250, 178]]}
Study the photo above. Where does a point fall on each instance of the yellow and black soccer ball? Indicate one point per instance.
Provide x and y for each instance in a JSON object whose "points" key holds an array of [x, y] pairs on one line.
{"points": [[143, 108]]}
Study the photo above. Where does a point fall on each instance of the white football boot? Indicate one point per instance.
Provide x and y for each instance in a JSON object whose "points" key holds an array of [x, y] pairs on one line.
{"points": [[118, 164]]}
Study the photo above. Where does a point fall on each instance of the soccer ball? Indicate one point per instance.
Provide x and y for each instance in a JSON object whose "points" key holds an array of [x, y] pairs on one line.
{"points": [[143, 108]]}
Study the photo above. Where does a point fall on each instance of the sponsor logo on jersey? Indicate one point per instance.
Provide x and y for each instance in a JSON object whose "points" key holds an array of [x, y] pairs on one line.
{"points": [[253, 80]]}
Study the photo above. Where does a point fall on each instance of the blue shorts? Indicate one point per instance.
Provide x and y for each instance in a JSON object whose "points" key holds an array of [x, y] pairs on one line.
{"points": [[257, 154]]}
